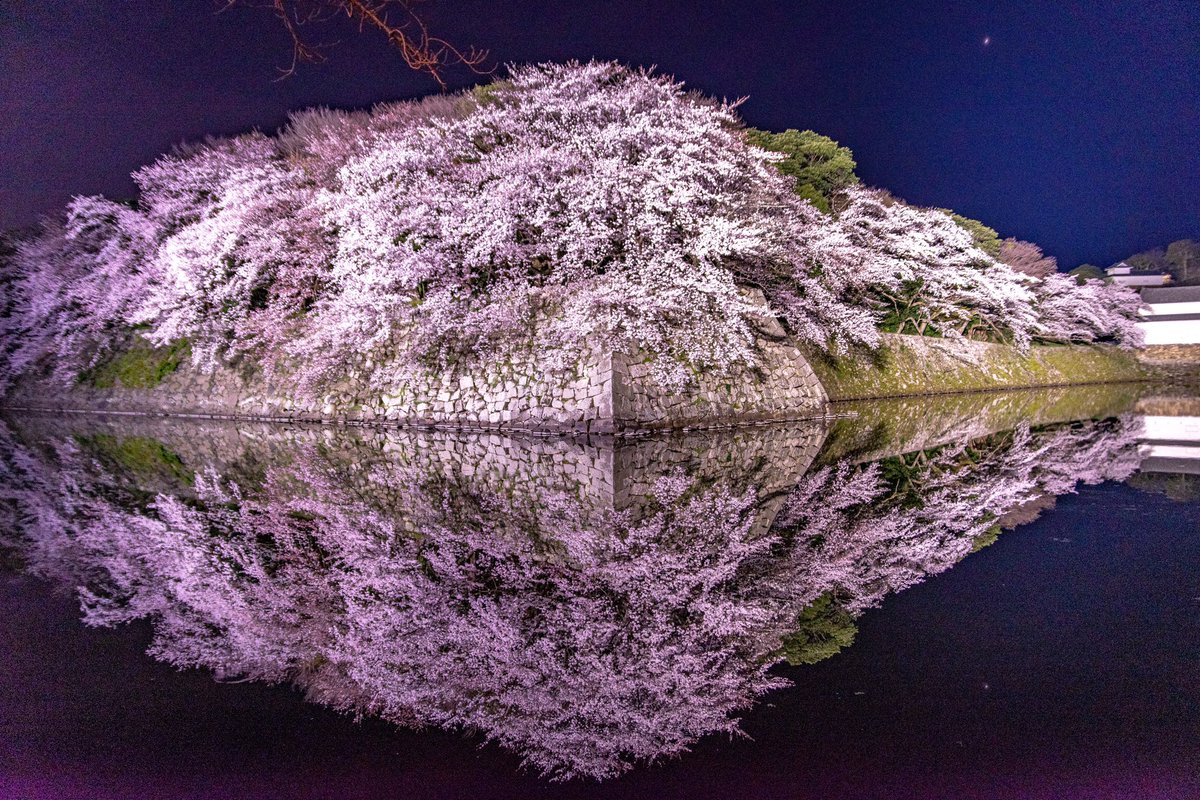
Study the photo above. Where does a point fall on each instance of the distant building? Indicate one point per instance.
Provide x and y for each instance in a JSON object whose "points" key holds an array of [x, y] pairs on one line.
{"points": [[1171, 315], [1124, 275]]}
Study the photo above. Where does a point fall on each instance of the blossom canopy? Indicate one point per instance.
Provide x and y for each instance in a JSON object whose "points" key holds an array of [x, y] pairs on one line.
{"points": [[569, 206]]}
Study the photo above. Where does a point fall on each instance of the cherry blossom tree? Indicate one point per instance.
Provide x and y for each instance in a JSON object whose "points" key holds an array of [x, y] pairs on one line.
{"points": [[75, 286], [1087, 311], [1027, 258], [568, 207], [243, 250], [927, 273]]}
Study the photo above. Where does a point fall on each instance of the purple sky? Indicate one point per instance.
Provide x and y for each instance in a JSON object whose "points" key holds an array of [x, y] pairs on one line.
{"points": [[1075, 127]]}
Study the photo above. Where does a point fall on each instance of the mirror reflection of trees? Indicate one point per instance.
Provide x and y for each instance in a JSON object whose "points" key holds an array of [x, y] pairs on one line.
{"points": [[585, 619]]}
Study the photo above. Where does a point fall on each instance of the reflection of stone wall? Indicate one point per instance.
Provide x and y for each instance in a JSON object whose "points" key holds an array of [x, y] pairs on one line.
{"points": [[604, 474], [887, 427], [600, 393], [1170, 402], [771, 460]]}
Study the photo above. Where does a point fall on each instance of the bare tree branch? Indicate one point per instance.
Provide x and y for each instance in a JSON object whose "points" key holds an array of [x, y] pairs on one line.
{"points": [[396, 19]]}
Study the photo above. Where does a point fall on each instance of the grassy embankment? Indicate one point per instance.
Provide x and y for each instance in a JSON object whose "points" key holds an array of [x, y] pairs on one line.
{"points": [[914, 365]]}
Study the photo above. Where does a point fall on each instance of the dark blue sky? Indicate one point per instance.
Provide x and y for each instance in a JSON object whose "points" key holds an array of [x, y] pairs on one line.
{"points": [[1078, 127]]}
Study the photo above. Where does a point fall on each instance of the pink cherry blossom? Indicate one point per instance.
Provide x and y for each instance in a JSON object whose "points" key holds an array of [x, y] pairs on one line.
{"points": [[568, 206]]}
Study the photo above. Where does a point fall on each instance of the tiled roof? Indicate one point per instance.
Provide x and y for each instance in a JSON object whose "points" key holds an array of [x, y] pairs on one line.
{"points": [[1172, 294]]}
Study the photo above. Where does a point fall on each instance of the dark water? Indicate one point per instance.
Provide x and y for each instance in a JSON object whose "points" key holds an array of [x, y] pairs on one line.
{"points": [[990, 596]]}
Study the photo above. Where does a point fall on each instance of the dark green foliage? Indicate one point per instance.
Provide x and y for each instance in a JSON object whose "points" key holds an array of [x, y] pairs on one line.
{"points": [[1183, 261], [488, 93], [824, 629], [1088, 272], [141, 365], [985, 238], [820, 165], [1154, 260], [986, 538]]}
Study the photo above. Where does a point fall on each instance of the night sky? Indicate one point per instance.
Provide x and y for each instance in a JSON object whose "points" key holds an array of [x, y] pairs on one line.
{"points": [[1076, 126]]}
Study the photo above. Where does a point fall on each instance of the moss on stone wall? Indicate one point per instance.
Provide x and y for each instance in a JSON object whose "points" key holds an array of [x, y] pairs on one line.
{"points": [[139, 365], [915, 365]]}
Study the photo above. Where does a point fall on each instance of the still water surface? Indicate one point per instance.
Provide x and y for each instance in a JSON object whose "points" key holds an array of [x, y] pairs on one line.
{"points": [[980, 596]]}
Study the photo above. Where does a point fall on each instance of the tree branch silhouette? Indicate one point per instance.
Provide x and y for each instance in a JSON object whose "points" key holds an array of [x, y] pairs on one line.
{"points": [[395, 19]]}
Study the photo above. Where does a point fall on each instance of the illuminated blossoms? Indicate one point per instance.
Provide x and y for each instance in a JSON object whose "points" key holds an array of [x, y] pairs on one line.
{"points": [[568, 205]]}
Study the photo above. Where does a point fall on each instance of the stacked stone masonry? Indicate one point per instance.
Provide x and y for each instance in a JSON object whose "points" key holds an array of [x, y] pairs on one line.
{"points": [[1169, 354], [601, 393]]}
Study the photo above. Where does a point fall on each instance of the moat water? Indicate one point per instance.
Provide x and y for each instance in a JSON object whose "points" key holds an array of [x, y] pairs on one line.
{"points": [[979, 596]]}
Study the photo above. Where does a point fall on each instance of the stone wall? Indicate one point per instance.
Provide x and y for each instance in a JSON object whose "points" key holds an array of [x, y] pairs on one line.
{"points": [[520, 395], [1171, 355], [601, 393], [611, 393], [782, 387]]}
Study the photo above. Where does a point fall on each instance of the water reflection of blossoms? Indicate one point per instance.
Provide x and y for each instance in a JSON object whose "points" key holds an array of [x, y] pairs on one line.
{"points": [[583, 637]]}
